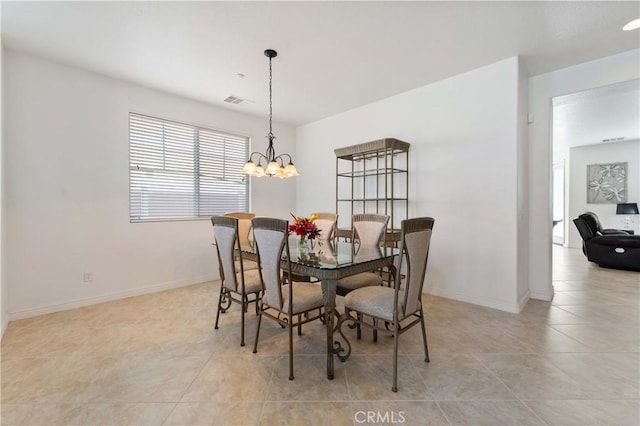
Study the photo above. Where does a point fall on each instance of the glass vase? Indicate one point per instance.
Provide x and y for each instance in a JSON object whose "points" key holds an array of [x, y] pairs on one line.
{"points": [[303, 245]]}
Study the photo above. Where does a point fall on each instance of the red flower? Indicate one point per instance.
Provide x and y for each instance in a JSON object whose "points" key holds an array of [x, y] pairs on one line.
{"points": [[304, 227]]}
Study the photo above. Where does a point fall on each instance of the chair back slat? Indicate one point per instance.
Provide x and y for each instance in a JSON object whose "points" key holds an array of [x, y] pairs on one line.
{"points": [[415, 240], [244, 226], [369, 229], [270, 236], [225, 233], [326, 223]]}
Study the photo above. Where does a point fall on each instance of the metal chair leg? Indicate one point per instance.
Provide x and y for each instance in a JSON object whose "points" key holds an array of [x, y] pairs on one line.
{"points": [[255, 344], [245, 305], [290, 347], [394, 388], [358, 328], [375, 330], [424, 336], [219, 306]]}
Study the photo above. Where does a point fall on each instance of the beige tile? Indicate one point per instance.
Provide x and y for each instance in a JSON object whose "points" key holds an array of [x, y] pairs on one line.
{"points": [[604, 314], [370, 378], [146, 379], [623, 337], [306, 413], [460, 378], [215, 413], [241, 376], [490, 413], [310, 381], [124, 414], [15, 414], [586, 412], [55, 379], [544, 338], [602, 375], [88, 414], [530, 376]]}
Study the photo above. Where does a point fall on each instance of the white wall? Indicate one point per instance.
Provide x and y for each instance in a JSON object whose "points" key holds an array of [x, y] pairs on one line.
{"points": [[67, 180], [612, 69], [4, 311], [580, 157], [463, 172], [523, 186]]}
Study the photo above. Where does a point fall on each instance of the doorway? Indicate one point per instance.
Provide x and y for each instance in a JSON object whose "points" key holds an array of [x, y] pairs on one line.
{"points": [[558, 201]]}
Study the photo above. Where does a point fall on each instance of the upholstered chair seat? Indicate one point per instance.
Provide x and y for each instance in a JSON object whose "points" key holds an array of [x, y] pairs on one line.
{"points": [[375, 302], [248, 265], [306, 296], [252, 281]]}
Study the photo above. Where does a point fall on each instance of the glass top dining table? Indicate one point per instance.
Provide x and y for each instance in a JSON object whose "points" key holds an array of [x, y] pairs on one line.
{"points": [[329, 261]]}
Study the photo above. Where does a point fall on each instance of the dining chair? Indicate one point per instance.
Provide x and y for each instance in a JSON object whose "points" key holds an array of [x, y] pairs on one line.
{"points": [[237, 284], [368, 232], [399, 309], [244, 232], [287, 302], [326, 223]]}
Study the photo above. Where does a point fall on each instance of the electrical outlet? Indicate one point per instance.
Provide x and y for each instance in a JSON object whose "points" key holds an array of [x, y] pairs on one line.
{"points": [[87, 277]]}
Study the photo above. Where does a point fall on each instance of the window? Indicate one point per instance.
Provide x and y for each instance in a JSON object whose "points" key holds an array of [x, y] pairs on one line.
{"points": [[180, 171]]}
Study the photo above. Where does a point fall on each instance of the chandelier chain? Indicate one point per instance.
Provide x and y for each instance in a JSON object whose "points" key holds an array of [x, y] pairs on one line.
{"points": [[270, 101]]}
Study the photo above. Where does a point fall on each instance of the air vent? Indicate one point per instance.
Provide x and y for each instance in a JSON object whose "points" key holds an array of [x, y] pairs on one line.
{"points": [[236, 100], [613, 139]]}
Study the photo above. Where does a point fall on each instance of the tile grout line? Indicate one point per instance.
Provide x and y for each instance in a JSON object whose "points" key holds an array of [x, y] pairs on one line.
{"points": [[510, 390], [188, 387], [264, 400]]}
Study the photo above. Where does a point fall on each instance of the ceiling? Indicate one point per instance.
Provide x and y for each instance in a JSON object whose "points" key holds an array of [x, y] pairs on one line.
{"points": [[333, 56], [602, 115]]}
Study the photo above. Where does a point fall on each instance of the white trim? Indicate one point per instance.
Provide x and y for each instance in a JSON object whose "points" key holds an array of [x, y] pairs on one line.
{"points": [[523, 301], [106, 298], [547, 297], [5, 323], [488, 303]]}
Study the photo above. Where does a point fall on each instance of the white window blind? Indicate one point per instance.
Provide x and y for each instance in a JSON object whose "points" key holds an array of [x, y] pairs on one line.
{"points": [[180, 171]]}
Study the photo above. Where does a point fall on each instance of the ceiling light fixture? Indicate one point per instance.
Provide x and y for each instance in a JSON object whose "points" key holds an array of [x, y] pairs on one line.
{"points": [[275, 163], [633, 25]]}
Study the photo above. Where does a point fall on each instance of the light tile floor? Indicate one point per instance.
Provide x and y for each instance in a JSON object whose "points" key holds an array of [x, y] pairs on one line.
{"points": [[155, 359]]}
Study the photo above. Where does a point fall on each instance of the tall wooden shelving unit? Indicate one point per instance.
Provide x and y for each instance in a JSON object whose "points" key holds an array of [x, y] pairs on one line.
{"points": [[373, 177]]}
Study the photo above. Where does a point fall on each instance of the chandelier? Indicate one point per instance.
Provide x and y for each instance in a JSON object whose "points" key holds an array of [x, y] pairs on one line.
{"points": [[275, 164]]}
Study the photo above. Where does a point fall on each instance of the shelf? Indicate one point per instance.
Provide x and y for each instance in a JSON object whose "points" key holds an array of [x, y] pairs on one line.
{"points": [[373, 185], [342, 200], [373, 172], [392, 235], [372, 149]]}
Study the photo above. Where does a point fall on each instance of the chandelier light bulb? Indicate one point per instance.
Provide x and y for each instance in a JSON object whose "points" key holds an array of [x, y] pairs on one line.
{"points": [[249, 168], [272, 168]]}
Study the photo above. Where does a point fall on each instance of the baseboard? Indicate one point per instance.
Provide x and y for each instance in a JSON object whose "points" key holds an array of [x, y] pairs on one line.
{"points": [[462, 297], [544, 296], [523, 301], [5, 323], [105, 298]]}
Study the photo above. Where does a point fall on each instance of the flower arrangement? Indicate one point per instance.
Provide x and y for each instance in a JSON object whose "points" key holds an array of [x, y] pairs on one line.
{"points": [[304, 227]]}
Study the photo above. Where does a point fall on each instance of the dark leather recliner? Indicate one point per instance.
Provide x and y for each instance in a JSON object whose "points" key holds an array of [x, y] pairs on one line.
{"points": [[609, 248]]}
